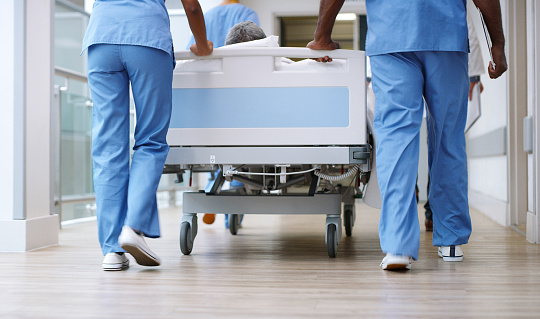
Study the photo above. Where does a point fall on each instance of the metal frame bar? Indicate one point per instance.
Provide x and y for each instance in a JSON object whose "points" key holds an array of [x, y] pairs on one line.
{"points": [[260, 155], [262, 204]]}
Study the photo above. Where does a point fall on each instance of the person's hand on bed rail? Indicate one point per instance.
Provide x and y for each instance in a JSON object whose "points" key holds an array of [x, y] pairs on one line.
{"points": [[328, 12], [202, 50], [195, 18], [315, 45]]}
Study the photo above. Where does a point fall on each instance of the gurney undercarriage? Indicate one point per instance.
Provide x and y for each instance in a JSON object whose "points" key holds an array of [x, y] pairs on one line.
{"points": [[302, 147], [278, 189]]}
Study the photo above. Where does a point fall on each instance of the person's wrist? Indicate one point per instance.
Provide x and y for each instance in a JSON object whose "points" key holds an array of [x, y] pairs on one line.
{"points": [[321, 38]]}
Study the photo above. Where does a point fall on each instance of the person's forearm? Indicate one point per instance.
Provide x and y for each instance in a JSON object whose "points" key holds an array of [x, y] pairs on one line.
{"points": [[328, 12], [491, 11], [195, 18]]}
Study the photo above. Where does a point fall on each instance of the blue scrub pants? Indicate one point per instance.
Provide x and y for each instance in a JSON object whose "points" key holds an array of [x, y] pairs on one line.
{"points": [[401, 82], [127, 195]]}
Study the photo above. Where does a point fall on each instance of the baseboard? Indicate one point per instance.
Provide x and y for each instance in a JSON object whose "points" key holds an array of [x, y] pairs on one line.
{"points": [[493, 208], [31, 234]]}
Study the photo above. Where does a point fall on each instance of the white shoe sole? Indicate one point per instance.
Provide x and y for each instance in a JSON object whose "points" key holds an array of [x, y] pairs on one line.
{"points": [[391, 262], [116, 267], [142, 257], [448, 258]]}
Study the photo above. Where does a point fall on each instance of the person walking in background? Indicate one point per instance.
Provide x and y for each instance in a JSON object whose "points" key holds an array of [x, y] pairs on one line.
{"points": [[418, 49], [129, 42], [220, 19]]}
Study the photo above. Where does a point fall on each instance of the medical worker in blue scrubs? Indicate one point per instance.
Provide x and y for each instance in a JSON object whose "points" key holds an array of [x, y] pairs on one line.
{"points": [[129, 42], [219, 20], [418, 49]]}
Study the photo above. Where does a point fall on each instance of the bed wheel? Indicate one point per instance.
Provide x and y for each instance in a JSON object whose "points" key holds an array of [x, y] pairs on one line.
{"points": [[348, 219], [234, 223], [331, 240], [186, 243]]}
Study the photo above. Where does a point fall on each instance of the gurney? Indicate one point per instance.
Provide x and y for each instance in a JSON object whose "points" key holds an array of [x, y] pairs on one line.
{"points": [[295, 134]]}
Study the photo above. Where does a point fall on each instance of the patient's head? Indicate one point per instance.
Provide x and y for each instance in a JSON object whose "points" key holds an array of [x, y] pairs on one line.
{"points": [[244, 32]]}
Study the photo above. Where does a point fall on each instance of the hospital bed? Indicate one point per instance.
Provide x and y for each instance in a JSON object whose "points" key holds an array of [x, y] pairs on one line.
{"points": [[294, 134]]}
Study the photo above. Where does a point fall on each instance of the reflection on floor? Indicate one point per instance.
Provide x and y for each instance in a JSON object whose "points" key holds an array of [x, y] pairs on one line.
{"points": [[277, 266]]}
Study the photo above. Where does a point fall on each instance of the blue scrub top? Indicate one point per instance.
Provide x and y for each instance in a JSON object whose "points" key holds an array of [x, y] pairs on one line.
{"points": [[416, 25], [131, 22], [219, 20]]}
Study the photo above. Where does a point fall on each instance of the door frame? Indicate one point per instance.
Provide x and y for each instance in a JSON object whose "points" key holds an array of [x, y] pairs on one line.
{"points": [[533, 107], [516, 112]]}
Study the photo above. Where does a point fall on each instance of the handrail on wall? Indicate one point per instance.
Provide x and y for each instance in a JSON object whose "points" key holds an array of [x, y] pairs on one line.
{"points": [[70, 74]]}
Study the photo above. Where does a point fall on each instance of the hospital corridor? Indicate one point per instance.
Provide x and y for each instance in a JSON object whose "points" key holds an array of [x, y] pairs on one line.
{"points": [[270, 159]]}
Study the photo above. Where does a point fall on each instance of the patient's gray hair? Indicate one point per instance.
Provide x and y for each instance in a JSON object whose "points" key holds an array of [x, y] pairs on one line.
{"points": [[244, 32]]}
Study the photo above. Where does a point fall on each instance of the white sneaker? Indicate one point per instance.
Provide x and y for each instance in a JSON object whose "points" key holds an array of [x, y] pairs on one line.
{"points": [[134, 244], [114, 261], [396, 262], [451, 253]]}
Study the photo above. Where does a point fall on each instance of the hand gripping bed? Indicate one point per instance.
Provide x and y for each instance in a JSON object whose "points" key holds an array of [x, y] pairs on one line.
{"points": [[294, 134]]}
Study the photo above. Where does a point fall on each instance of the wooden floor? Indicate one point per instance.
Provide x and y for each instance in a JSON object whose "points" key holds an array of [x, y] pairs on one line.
{"points": [[276, 267]]}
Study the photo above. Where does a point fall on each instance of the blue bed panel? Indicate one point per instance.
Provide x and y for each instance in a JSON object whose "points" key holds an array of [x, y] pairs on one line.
{"points": [[260, 107]]}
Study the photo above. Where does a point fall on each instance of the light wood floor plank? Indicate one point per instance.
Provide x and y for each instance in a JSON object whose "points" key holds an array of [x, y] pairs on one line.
{"points": [[276, 267]]}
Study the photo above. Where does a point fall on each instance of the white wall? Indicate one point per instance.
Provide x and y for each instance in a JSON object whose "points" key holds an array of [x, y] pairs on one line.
{"points": [[489, 174], [39, 98], [7, 92], [26, 76]]}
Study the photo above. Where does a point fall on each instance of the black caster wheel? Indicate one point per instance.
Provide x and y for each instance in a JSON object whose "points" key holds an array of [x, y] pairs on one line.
{"points": [[331, 240], [186, 243], [234, 223], [348, 221]]}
